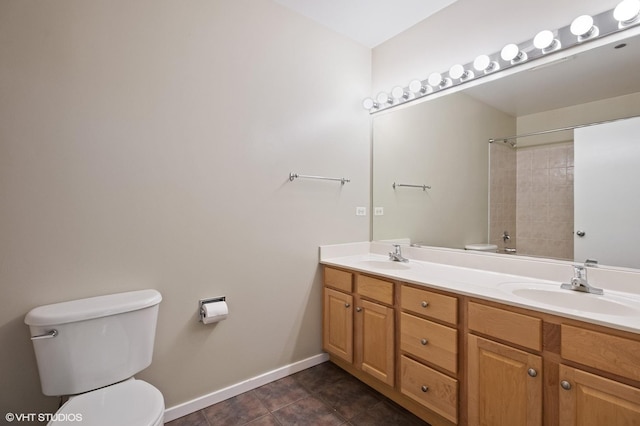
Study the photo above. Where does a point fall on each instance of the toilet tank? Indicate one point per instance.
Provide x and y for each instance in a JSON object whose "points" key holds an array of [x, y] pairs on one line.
{"points": [[97, 341]]}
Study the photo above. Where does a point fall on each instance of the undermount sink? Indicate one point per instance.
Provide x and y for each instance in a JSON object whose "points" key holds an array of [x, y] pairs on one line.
{"points": [[384, 264], [548, 294]]}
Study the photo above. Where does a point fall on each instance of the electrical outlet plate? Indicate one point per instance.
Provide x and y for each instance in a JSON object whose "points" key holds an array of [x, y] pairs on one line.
{"points": [[378, 211], [361, 211]]}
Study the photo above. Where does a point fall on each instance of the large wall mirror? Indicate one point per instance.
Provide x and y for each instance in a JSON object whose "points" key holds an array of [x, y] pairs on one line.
{"points": [[572, 194]]}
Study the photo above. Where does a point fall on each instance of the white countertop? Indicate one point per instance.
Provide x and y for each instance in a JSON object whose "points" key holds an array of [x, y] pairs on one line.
{"points": [[495, 286]]}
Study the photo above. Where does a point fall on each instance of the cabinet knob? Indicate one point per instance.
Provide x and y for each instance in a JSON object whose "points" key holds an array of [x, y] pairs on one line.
{"points": [[424, 388], [424, 341], [565, 385], [346, 305], [424, 304], [532, 372], [358, 309]]}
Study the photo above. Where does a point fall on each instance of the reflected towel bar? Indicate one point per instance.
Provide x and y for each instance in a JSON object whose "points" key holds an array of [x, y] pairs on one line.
{"points": [[424, 187], [293, 176]]}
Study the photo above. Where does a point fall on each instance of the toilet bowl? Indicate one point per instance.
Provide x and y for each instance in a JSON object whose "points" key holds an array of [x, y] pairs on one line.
{"points": [[132, 402], [90, 349], [482, 247]]}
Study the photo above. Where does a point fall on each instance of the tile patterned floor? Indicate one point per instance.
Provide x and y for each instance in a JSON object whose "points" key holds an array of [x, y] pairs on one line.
{"points": [[321, 395]]}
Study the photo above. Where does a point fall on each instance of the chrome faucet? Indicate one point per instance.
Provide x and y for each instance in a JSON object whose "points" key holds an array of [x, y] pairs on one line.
{"points": [[396, 254], [579, 282]]}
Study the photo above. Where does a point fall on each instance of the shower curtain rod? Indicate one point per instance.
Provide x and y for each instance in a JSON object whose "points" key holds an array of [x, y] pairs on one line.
{"points": [[544, 132]]}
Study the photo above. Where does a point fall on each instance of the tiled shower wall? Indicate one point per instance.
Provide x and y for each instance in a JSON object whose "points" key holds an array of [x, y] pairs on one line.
{"points": [[532, 198], [502, 187], [544, 202]]}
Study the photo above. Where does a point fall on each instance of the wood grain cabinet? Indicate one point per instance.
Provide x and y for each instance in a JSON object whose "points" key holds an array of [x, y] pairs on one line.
{"points": [[374, 332], [591, 400], [505, 384], [429, 350], [337, 335], [588, 399], [359, 323], [455, 359]]}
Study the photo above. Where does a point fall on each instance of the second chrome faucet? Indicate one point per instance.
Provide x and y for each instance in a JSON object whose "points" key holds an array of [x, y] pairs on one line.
{"points": [[579, 281], [396, 254]]}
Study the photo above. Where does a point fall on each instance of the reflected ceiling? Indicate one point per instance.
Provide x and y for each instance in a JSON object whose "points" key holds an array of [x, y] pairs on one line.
{"points": [[605, 72]]}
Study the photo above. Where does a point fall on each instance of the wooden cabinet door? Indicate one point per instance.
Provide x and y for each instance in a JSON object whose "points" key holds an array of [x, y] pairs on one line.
{"points": [[595, 401], [375, 340], [337, 324], [505, 385]]}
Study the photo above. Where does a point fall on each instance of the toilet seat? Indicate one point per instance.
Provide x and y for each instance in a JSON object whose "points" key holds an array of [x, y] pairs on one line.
{"points": [[481, 247], [133, 403]]}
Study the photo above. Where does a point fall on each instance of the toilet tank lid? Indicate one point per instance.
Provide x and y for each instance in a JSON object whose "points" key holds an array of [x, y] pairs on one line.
{"points": [[92, 307]]}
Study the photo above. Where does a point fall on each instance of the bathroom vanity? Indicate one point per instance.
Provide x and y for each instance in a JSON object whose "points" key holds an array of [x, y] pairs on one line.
{"points": [[458, 345]]}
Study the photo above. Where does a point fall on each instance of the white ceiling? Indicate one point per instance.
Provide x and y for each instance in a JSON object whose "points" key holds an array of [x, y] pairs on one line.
{"points": [[369, 22]]}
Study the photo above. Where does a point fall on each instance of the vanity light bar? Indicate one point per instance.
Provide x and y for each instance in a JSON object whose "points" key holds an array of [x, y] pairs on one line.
{"points": [[583, 29]]}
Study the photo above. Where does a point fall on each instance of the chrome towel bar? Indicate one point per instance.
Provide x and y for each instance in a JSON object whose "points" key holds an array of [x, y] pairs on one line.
{"points": [[424, 187], [293, 176]]}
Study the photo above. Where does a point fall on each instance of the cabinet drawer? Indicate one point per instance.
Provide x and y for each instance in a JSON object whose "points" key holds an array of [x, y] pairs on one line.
{"points": [[429, 341], [427, 303], [430, 388], [516, 328], [336, 278], [376, 289], [614, 354]]}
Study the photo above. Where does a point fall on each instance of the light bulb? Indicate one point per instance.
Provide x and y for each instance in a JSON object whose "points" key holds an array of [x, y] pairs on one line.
{"points": [[436, 80], [383, 98], [458, 72], [369, 103], [583, 28], [481, 63], [485, 64], [546, 41], [511, 53], [627, 12], [399, 93], [415, 86]]}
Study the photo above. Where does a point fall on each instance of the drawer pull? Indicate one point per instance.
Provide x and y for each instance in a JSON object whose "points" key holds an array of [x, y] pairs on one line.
{"points": [[424, 304], [532, 372], [346, 305], [424, 388], [565, 385], [424, 341], [358, 309]]}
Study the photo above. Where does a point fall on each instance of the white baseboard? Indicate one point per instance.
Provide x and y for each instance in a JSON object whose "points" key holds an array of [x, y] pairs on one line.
{"points": [[204, 401]]}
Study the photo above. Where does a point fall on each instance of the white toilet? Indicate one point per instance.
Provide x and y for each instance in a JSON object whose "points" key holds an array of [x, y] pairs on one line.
{"points": [[90, 349]]}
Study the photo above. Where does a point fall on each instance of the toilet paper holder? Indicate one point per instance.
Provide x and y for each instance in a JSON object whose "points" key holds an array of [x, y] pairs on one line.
{"points": [[202, 302]]}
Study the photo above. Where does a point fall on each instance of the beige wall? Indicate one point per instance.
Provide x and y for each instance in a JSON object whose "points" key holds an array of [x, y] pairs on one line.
{"points": [[148, 144]]}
